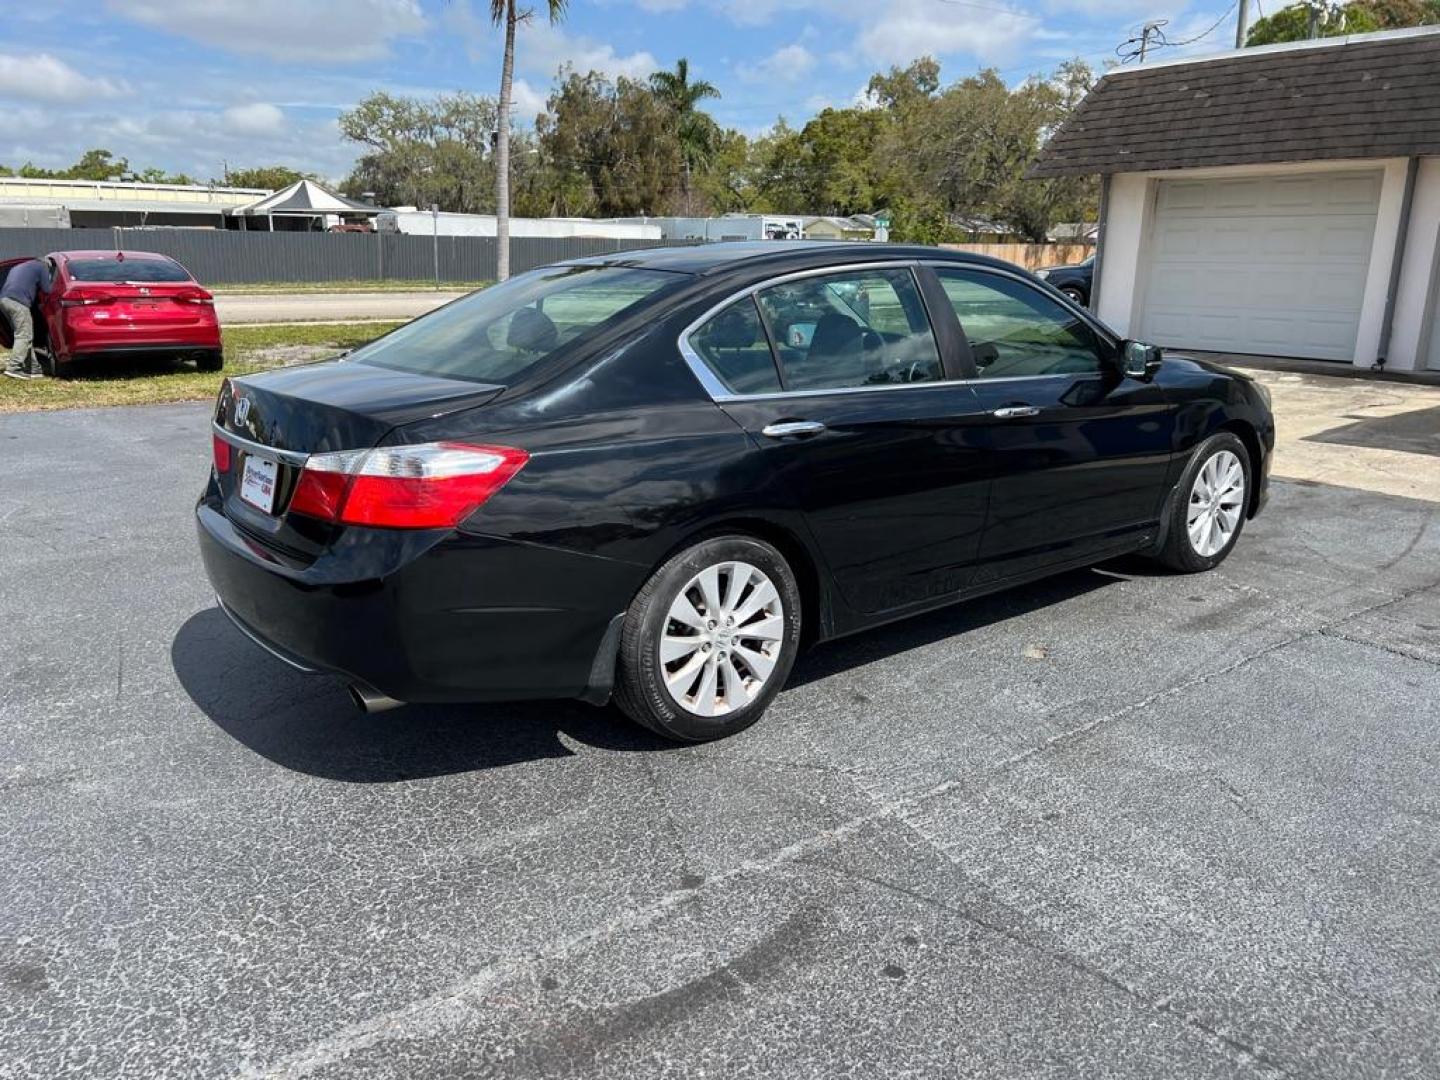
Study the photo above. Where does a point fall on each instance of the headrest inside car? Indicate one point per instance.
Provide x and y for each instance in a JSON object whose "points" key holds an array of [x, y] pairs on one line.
{"points": [[533, 331]]}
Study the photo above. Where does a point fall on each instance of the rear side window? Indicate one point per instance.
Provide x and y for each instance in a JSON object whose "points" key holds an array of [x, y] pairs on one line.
{"points": [[1014, 329], [859, 328], [499, 333], [118, 270], [733, 346]]}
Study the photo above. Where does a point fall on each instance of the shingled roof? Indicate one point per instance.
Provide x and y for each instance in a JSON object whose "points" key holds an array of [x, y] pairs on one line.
{"points": [[1366, 96]]}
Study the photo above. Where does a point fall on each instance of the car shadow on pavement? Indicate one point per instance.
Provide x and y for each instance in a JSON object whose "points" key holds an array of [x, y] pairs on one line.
{"points": [[921, 630], [307, 722]]}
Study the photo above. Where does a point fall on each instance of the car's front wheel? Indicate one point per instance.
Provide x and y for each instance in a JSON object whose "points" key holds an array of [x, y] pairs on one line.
{"points": [[1207, 512], [709, 640], [1078, 295]]}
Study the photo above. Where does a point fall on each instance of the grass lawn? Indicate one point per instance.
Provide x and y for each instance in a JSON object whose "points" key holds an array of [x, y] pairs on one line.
{"points": [[265, 288], [144, 382]]}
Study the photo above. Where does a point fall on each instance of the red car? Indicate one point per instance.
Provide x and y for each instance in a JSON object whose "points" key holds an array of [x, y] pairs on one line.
{"points": [[114, 303]]}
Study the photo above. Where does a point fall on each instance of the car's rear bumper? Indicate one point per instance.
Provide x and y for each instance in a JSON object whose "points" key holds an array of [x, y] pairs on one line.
{"points": [[469, 619], [90, 351]]}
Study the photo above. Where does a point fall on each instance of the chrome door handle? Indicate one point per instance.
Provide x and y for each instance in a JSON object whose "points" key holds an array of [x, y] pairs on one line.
{"points": [[787, 429], [1013, 412]]}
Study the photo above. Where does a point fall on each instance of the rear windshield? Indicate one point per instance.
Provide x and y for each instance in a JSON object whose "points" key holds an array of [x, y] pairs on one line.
{"points": [[498, 333], [117, 270]]}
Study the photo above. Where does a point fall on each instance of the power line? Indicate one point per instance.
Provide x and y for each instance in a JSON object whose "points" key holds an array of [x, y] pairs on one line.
{"points": [[1213, 27]]}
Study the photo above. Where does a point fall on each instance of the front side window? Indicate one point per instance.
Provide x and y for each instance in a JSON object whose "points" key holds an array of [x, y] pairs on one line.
{"points": [[733, 346], [499, 333], [1014, 329], [852, 329]]}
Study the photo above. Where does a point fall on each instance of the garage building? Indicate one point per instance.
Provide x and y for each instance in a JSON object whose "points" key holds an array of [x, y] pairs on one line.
{"points": [[1275, 201]]}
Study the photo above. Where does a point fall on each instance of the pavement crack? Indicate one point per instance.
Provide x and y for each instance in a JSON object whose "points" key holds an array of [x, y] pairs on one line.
{"points": [[1245, 1049]]}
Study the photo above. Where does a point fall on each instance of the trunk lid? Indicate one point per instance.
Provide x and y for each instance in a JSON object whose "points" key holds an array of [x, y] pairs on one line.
{"points": [[139, 304], [280, 417]]}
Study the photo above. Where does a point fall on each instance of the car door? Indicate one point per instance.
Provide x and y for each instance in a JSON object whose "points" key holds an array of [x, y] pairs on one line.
{"points": [[1079, 453], [839, 379]]}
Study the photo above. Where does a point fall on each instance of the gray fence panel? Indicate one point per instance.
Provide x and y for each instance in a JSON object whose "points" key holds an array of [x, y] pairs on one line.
{"points": [[232, 258]]}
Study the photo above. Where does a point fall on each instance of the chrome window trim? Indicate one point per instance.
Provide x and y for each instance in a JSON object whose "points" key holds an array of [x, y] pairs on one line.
{"points": [[721, 394], [284, 457]]}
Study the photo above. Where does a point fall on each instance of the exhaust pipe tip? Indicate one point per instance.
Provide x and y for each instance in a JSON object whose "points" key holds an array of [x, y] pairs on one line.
{"points": [[371, 701]]}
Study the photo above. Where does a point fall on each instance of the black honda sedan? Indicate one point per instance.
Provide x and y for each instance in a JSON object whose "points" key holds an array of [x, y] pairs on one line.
{"points": [[656, 476]]}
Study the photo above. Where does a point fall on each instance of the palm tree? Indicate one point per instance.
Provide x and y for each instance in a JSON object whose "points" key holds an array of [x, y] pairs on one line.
{"points": [[504, 11], [695, 129]]}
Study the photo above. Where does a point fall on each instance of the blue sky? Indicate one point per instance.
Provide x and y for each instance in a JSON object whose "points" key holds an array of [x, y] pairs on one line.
{"points": [[187, 84]]}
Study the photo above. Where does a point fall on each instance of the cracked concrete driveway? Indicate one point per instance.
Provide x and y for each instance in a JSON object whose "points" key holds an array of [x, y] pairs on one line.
{"points": [[1120, 823]]}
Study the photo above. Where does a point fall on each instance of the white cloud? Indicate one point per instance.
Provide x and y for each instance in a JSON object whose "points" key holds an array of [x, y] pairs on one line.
{"points": [[180, 140], [787, 64], [527, 102], [907, 29], [542, 49], [258, 118], [42, 77], [327, 31]]}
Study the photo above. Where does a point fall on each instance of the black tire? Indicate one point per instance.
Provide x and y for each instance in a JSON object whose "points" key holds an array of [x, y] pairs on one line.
{"points": [[210, 361], [1078, 295], [640, 689], [1178, 552]]}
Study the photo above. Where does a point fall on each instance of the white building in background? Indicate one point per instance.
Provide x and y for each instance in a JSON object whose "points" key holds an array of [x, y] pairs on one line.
{"points": [[414, 222], [726, 227], [1277, 201], [105, 203]]}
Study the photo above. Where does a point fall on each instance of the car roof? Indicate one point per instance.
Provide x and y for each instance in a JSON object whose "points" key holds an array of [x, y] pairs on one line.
{"points": [[109, 253], [776, 255]]}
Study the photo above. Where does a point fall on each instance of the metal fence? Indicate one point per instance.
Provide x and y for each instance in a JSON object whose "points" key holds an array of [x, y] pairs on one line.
{"points": [[233, 258]]}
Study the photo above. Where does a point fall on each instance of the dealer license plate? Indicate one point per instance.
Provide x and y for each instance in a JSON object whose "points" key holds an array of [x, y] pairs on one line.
{"points": [[257, 483]]}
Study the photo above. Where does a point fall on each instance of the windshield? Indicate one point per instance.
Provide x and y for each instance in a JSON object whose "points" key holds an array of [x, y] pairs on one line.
{"points": [[498, 333], [118, 270]]}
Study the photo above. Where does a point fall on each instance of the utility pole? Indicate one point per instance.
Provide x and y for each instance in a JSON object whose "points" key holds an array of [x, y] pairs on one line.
{"points": [[1242, 21], [1149, 30]]}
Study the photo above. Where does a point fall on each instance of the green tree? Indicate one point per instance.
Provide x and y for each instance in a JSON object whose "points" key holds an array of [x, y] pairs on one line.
{"points": [[504, 13], [1358, 17], [699, 135], [619, 136], [273, 177], [423, 152]]}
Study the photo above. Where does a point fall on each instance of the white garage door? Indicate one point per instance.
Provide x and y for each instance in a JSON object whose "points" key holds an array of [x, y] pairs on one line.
{"points": [[1267, 265]]}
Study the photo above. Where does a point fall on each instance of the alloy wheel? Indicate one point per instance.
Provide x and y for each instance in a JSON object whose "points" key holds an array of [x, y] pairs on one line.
{"points": [[723, 635], [1217, 499]]}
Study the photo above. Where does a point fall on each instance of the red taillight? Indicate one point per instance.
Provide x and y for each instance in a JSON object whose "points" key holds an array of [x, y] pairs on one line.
{"points": [[83, 297], [429, 486], [222, 454], [193, 295]]}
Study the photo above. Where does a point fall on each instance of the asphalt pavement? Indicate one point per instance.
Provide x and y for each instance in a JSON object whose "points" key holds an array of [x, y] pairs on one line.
{"points": [[1121, 823], [237, 308]]}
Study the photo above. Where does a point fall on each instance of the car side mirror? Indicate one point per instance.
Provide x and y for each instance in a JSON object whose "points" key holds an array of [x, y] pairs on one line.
{"points": [[984, 353], [1138, 360]]}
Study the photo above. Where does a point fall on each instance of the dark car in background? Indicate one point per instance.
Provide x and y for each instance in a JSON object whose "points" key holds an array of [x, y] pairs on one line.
{"points": [[106, 304], [1074, 281], [657, 475]]}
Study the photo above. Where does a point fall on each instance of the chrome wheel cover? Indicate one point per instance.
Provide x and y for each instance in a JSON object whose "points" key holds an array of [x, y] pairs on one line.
{"points": [[722, 639], [1217, 499]]}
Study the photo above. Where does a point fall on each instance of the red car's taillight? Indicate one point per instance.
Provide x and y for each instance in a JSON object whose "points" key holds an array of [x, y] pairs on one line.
{"points": [[85, 297], [222, 454], [428, 486], [194, 295]]}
